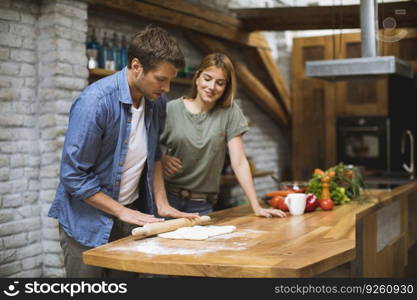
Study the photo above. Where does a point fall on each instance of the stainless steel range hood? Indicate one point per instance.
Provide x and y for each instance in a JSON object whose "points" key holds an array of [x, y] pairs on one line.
{"points": [[369, 65]]}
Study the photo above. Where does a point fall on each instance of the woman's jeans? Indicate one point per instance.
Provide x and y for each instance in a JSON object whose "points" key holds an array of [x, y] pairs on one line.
{"points": [[190, 206]]}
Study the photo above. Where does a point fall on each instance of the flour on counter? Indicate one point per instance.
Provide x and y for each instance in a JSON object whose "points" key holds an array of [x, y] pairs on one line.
{"points": [[153, 246], [240, 233], [197, 232], [227, 236]]}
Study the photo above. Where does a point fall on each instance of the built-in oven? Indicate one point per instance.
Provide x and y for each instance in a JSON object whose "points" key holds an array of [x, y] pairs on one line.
{"points": [[364, 141]]}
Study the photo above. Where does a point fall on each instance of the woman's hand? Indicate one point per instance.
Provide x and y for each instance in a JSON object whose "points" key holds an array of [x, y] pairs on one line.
{"points": [[269, 212], [171, 165]]}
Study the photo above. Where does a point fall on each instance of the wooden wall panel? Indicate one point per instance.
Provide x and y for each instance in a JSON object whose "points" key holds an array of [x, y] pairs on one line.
{"points": [[407, 47], [311, 137], [412, 220], [313, 110], [391, 260]]}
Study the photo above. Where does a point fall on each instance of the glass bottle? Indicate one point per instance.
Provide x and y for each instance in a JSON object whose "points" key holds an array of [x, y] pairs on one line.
{"points": [[93, 48], [115, 50], [123, 53], [103, 52], [109, 56], [107, 53]]}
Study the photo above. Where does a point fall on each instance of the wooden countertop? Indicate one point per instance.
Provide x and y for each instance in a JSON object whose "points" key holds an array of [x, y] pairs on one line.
{"points": [[301, 246]]}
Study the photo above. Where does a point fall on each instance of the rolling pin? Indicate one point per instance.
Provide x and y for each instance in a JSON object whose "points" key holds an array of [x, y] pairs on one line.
{"points": [[170, 225]]}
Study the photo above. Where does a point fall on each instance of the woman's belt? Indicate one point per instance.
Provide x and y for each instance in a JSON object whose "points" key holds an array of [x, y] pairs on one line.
{"points": [[189, 195]]}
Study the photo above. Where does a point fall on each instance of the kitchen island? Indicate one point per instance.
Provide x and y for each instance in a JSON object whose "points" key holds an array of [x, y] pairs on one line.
{"points": [[370, 239]]}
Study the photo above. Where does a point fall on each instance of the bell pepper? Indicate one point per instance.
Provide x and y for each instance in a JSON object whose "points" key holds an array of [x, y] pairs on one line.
{"points": [[311, 202]]}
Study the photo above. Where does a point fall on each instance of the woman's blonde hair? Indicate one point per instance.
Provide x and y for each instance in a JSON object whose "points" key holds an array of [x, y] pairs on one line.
{"points": [[221, 61]]}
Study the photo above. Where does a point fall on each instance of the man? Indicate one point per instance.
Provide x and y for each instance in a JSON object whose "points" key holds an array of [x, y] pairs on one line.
{"points": [[110, 169]]}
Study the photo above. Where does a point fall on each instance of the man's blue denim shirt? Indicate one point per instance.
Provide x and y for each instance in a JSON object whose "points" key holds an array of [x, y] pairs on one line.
{"points": [[95, 148]]}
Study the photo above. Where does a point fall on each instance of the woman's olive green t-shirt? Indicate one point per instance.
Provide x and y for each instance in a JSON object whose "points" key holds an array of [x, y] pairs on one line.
{"points": [[200, 142]]}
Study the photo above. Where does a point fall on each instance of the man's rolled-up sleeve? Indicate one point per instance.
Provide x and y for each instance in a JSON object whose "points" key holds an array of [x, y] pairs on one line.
{"points": [[82, 145]]}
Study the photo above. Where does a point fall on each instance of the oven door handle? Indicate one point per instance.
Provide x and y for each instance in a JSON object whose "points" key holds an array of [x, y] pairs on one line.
{"points": [[361, 129]]}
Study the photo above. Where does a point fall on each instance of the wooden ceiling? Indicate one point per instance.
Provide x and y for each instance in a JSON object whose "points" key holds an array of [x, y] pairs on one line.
{"points": [[323, 17], [182, 14]]}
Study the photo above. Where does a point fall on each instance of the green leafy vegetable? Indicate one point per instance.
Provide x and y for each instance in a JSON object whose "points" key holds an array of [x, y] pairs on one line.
{"points": [[346, 183]]}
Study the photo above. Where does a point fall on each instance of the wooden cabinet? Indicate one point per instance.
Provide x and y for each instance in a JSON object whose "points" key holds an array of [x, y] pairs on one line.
{"points": [[317, 103], [403, 45], [313, 109]]}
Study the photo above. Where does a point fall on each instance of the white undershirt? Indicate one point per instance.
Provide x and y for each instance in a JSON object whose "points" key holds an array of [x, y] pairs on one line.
{"points": [[135, 157]]}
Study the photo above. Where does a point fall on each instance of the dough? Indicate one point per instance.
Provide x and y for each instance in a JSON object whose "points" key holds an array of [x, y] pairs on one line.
{"points": [[197, 232]]}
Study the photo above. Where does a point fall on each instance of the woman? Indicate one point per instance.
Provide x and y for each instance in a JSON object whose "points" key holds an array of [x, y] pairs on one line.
{"points": [[197, 132]]}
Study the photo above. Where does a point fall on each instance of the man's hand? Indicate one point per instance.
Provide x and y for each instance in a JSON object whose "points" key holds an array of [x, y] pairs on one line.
{"points": [[171, 165], [169, 211], [135, 217]]}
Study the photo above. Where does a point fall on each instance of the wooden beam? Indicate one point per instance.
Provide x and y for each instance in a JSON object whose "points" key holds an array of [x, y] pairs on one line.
{"points": [[180, 14], [250, 83], [183, 6], [275, 74], [261, 94], [323, 17]]}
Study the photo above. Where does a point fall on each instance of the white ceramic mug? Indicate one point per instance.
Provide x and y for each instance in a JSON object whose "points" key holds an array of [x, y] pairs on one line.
{"points": [[296, 203]]}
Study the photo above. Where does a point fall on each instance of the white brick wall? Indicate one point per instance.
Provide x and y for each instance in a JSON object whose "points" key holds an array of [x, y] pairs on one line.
{"points": [[42, 68], [62, 54], [19, 231]]}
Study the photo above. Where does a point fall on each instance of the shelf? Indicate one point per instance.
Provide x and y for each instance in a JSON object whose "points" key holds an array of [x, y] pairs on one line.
{"points": [[231, 179], [105, 72], [101, 72]]}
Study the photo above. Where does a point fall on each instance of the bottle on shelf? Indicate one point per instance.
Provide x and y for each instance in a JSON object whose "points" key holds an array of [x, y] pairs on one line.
{"points": [[109, 62], [103, 52], [106, 57], [115, 50], [123, 53], [93, 48]]}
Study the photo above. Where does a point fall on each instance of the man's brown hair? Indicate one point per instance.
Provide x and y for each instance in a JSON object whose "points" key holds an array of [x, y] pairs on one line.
{"points": [[152, 46]]}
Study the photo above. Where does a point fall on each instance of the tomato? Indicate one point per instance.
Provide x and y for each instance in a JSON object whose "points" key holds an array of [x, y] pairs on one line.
{"points": [[275, 201], [326, 204], [279, 202], [311, 203]]}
